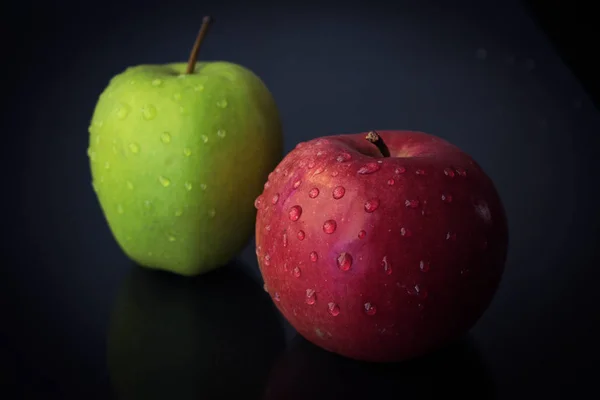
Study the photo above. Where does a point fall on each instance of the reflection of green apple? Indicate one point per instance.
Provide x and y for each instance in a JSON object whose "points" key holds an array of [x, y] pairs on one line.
{"points": [[212, 337], [177, 160]]}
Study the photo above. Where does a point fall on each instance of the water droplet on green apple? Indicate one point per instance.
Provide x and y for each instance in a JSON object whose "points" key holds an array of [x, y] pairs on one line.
{"points": [[91, 154], [149, 112], [147, 204], [171, 238], [329, 226], [222, 103], [370, 309], [157, 82], [333, 309], [134, 148], [165, 182], [221, 133], [177, 96], [178, 213], [98, 123], [199, 88], [311, 297], [94, 186], [122, 111], [344, 261], [97, 139], [296, 272], [212, 212], [120, 209], [107, 165], [187, 152], [204, 138], [165, 137], [188, 186], [203, 186]]}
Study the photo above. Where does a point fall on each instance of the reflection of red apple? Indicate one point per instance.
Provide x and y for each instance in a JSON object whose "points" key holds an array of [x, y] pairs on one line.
{"points": [[304, 371], [376, 252]]}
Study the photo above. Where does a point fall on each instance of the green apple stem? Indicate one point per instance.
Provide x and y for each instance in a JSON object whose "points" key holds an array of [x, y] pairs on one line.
{"points": [[377, 140], [206, 21]]}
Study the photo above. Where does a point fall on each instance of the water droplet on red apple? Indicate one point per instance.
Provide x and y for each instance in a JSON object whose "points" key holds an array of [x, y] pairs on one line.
{"points": [[276, 297], [448, 172], [370, 309], [296, 272], [451, 236], [420, 172], [311, 297], [335, 173], [301, 235], [371, 205], [329, 226], [267, 260], [399, 170], [391, 182], [295, 213], [267, 185], [297, 184], [311, 164], [461, 172], [447, 198], [314, 192], [275, 198], [344, 157], [339, 192], [333, 309], [314, 257], [318, 171], [285, 240], [362, 234], [405, 232], [411, 203], [418, 291], [271, 176], [344, 261], [387, 268], [369, 168], [424, 266]]}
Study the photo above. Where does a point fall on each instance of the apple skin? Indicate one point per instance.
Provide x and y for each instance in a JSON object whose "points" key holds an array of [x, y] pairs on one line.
{"points": [[177, 160], [402, 260]]}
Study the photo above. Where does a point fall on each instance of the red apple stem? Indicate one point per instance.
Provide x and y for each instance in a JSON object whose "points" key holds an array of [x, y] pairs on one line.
{"points": [[377, 140], [206, 21]]}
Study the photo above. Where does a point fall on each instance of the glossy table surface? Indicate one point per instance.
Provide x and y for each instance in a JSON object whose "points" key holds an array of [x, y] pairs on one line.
{"points": [[80, 320]]}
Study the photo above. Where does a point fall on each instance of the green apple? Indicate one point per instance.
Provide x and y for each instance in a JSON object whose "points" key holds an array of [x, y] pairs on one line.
{"points": [[178, 158]]}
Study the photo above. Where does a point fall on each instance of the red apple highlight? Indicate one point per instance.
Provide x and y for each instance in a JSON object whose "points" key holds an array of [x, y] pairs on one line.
{"points": [[380, 246]]}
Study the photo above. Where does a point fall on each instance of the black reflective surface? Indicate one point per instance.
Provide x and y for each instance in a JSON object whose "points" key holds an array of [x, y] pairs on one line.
{"points": [[81, 321]]}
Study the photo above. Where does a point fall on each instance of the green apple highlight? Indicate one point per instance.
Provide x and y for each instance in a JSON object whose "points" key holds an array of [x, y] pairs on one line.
{"points": [[178, 158]]}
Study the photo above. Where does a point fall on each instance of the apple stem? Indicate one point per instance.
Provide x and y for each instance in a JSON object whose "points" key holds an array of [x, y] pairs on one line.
{"points": [[206, 21], [377, 140]]}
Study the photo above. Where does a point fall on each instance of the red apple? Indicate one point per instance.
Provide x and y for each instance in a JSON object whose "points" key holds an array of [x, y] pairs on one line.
{"points": [[381, 249]]}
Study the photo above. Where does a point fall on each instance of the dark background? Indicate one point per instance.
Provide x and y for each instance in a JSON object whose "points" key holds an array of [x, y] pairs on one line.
{"points": [[509, 82]]}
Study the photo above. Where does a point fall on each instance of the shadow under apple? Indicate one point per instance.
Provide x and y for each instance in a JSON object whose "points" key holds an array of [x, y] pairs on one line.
{"points": [[213, 336], [305, 371]]}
